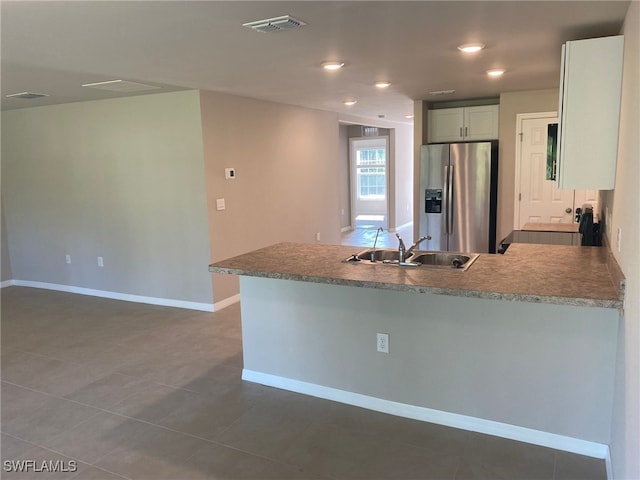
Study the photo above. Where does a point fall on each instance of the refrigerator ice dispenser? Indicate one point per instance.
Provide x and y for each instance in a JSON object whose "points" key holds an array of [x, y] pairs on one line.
{"points": [[433, 200]]}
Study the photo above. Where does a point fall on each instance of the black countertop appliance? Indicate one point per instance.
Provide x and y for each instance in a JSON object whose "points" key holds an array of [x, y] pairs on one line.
{"points": [[590, 231]]}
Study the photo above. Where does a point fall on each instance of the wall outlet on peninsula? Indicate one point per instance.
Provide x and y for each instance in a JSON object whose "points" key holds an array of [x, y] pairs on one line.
{"points": [[382, 342]]}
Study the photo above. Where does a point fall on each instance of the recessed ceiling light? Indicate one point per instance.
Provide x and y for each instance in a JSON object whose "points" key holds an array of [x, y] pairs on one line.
{"points": [[471, 47], [348, 103], [332, 65], [495, 73], [382, 84], [408, 117]]}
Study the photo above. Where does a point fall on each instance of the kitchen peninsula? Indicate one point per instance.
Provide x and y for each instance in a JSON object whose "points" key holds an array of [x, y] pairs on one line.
{"points": [[521, 345]]}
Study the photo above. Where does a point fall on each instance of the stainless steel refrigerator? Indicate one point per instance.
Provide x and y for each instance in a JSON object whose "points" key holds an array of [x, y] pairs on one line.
{"points": [[458, 189]]}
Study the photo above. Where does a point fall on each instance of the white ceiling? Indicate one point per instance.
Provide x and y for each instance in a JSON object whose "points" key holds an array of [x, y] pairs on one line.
{"points": [[54, 47]]}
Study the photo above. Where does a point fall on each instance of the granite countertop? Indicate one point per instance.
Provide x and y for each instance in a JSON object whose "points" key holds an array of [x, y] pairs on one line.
{"points": [[555, 274], [551, 227]]}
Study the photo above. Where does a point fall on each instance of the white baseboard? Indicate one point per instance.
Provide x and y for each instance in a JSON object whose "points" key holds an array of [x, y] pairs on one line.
{"points": [[226, 302], [7, 283], [346, 229], [489, 427], [165, 302]]}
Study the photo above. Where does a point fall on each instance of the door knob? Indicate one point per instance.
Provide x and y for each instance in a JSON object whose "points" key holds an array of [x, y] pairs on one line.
{"points": [[569, 210]]}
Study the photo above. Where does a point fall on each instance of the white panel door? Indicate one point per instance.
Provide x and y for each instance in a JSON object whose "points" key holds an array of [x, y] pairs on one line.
{"points": [[589, 197], [540, 200]]}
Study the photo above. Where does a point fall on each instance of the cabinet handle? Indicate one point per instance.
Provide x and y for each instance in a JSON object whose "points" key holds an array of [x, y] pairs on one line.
{"points": [[460, 132], [466, 131]]}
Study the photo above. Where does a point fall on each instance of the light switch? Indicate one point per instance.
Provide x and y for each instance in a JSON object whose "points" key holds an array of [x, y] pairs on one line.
{"points": [[220, 204]]}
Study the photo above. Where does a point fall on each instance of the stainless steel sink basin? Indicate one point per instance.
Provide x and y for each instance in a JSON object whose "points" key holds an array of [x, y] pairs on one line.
{"points": [[419, 258], [444, 259], [380, 255]]}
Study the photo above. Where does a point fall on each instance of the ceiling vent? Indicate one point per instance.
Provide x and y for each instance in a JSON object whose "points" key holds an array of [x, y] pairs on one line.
{"points": [[442, 92], [277, 24], [27, 95], [121, 86]]}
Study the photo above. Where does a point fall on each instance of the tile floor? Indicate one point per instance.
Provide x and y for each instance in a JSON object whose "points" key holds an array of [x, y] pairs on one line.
{"points": [[135, 391]]}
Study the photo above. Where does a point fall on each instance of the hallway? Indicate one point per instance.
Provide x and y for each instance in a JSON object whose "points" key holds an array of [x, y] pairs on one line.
{"points": [[364, 237]]}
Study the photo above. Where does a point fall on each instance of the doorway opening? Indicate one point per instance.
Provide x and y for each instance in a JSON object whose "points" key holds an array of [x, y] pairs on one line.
{"points": [[369, 167]]}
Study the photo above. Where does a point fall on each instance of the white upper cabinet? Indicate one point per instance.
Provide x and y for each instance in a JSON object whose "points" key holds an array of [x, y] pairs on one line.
{"points": [[445, 125], [481, 123], [589, 111], [464, 124]]}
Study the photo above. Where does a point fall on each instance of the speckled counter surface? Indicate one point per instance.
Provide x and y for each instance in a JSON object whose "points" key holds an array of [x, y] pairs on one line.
{"points": [[551, 227], [556, 274]]}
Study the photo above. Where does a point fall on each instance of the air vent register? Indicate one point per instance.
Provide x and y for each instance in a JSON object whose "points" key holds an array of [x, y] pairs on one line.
{"points": [[276, 24]]}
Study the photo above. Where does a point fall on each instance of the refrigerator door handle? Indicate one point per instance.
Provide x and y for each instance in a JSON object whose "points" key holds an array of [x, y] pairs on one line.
{"points": [[450, 200], [446, 199]]}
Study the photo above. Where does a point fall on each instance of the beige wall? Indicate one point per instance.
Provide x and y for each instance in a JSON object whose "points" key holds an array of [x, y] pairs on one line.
{"points": [[623, 204], [345, 188], [403, 175], [511, 104], [121, 179], [6, 261], [287, 162], [419, 139]]}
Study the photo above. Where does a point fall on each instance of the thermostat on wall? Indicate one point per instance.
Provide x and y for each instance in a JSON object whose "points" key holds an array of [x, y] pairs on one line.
{"points": [[230, 173]]}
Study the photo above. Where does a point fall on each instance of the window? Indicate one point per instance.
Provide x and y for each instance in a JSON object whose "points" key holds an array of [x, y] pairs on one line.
{"points": [[371, 173]]}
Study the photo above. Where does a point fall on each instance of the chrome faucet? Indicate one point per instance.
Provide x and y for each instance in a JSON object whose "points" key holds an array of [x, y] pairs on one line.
{"points": [[403, 252], [417, 242], [373, 254]]}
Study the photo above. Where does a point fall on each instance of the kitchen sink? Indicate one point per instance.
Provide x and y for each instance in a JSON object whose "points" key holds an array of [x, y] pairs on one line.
{"points": [[444, 259], [379, 255], [419, 258]]}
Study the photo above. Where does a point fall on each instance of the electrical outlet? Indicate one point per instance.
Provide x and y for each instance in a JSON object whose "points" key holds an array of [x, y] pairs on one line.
{"points": [[100, 262], [382, 342], [317, 236], [619, 238], [67, 259]]}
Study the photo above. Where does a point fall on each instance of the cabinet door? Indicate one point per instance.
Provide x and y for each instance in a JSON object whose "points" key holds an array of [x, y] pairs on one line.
{"points": [[481, 123], [445, 125], [591, 79]]}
